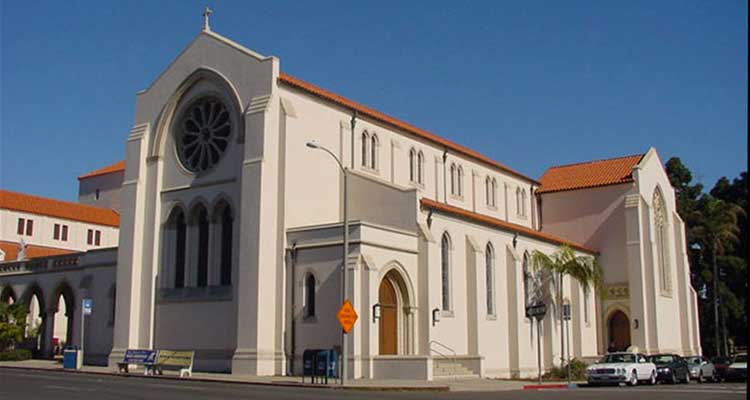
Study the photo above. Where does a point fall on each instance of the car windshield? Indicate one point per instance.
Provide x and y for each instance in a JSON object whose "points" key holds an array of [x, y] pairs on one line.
{"points": [[694, 360], [618, 358], [741, 358], [662, 359]]}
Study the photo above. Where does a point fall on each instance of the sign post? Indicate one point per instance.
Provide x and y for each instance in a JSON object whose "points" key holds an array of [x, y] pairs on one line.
{"points": [[87, 307], [538, 311], [566, 318], [347, 317]]}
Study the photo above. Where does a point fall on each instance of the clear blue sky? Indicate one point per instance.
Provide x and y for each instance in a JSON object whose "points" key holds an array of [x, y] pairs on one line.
{"points": [[530, 84]]}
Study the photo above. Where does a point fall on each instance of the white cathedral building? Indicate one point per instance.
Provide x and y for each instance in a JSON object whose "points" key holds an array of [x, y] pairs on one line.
{"points": [[231, 236]]}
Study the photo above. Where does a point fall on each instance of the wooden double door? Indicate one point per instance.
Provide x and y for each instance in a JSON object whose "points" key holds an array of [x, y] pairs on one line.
{"points": [[388, 323]]}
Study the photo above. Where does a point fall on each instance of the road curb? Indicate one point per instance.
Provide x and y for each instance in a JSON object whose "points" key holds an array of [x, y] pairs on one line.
{"points": [[273, 384], [550, 386]]}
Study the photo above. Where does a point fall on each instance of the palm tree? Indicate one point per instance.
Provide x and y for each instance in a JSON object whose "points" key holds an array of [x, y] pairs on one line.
{"points": [[717, 229], [585, 269]]}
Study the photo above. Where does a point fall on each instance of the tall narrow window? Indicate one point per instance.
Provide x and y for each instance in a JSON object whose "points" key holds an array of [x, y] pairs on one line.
{"points": [[487, 194], [202, 247], [412, 165], [310, 296], [445, 247], [527, 280], [518, 201], [29, 227], [460, 180], [662, 242], [586, 304], [493, 192], [523, 202], [65, 233], [374, 144], [56, 232], [97, 238], [90, 237], [365, 142], [489, 262], [96, 195], [21, 226], [420, 167], [453, 178], [226, 247], [179, 256]]}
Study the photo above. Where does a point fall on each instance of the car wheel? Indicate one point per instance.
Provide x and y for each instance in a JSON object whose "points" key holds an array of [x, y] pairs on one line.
{"points": [[652, 380], [687, 378], [633, 379], [700, 377], [672, 378]]}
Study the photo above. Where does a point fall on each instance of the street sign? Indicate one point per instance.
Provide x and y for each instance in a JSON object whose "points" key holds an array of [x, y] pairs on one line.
{"points": [[566, 312], [347, 316], [536, 310], [88, 306]]}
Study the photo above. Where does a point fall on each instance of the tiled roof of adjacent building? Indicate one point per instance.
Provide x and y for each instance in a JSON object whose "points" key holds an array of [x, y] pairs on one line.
{"points": [[381, 117], [589, 174], [32, 251], [58, 208], [109, 169], [502, 225]]}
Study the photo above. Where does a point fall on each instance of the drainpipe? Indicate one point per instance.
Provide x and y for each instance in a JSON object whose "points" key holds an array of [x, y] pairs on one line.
{"points": [[293, 264], [445, 182], [539, 210], [353, 124]]}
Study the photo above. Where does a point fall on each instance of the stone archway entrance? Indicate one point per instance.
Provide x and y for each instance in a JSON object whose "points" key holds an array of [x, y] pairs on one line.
{"points": [[619, 331], [395, 321]]}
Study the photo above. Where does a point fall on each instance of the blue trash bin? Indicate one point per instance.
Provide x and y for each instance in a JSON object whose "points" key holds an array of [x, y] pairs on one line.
{"points": [[72, 358], [326, 364]]}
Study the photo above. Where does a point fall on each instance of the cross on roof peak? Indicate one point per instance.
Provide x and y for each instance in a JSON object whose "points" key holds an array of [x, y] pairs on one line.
{"points": [[206, 14]]}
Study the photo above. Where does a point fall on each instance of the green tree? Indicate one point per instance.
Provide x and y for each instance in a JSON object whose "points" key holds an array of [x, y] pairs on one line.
{"points": [[565, 262], [717, 231], [12, 325]]}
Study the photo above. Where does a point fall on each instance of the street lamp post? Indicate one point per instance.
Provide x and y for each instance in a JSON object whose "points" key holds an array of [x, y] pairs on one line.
{"points": [[344, 283]]}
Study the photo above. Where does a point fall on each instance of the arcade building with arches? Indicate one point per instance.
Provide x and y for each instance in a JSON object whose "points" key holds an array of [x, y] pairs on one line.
{"points": [[230, 238]]}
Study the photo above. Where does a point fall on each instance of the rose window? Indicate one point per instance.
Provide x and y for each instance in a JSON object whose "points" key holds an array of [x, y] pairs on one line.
{"points": [[202, 134]]}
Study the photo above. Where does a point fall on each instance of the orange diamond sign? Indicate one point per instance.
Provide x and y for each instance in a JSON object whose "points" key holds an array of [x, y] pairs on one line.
{"points": [[347, 316]]}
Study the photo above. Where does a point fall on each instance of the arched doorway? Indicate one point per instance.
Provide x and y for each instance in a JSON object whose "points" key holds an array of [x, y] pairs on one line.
{"points": [[394, 323], [7, 296], [62, 309], [619, 331], [35, 319]]}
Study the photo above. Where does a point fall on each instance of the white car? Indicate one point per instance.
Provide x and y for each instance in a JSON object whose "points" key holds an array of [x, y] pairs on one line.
{"points": [[737, 370], [626, 367], [701, 369]]}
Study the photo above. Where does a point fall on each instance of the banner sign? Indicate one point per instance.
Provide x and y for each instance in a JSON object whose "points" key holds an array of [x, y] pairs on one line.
{"points": [[139, 357], [88, 306]]}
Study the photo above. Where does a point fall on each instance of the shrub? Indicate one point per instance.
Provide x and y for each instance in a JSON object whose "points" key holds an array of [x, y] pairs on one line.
{"points": [[577, 371], [15, 355]]}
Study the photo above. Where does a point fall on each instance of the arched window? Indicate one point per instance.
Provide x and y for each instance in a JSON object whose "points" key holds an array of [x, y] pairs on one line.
{"points": [[494, 192], [374, 144], [420, 167], [365, 143], [180, 230], [200, 216], [453, 178], [527, 280], [310, 296], [487, 193], [445, 248], [412, 165], [489, 265], [662, 241], [225, 262], [460, 181], [523, 202]]}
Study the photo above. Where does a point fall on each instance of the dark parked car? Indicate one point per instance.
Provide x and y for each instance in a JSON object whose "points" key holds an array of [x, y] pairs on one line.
{"points": [[721, 363], [670, 368]]}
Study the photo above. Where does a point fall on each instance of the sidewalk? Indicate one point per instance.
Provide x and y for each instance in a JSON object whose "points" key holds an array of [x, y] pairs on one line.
{"points": [[453, 385]]}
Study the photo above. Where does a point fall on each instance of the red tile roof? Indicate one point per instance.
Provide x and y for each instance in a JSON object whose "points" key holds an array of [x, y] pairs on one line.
{"points": [[378, 116], [589, 174], [32, 251], [58, 208], [109, 169], [502, 225]]}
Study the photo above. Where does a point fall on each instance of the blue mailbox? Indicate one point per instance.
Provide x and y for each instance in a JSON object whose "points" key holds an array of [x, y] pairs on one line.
{"points": [[308, 362], [327, 364]]}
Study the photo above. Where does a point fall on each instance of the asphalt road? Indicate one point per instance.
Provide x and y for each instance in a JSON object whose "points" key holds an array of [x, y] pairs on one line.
{"points": [[36, 385]]}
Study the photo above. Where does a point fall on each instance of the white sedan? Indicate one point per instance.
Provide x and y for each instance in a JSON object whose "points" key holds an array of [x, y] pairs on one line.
{"points": [[626, 367]]}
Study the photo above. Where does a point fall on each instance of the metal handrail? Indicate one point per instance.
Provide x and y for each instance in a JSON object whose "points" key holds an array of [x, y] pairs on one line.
{"points": [[453, 359]]}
